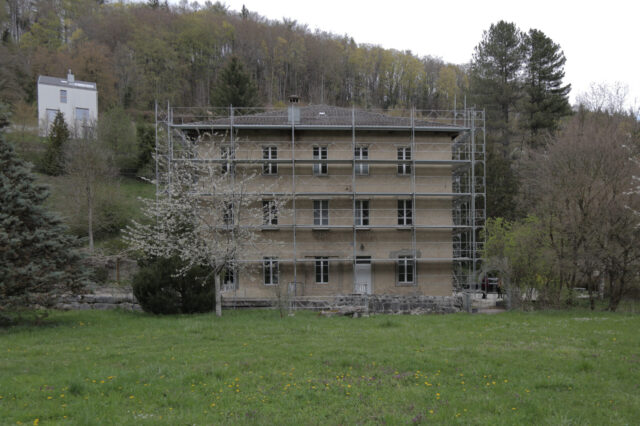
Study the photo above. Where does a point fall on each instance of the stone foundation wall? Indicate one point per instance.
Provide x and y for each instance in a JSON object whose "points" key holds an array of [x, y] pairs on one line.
{"points": [[348, 304], [396, 304], [101, 300]]}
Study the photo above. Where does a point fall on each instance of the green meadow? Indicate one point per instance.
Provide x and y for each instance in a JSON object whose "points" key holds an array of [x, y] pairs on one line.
{"points": [[251, 367]]}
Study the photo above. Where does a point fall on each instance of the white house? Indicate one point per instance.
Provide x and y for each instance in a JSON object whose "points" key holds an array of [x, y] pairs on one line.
{"points": [[77, 100]]}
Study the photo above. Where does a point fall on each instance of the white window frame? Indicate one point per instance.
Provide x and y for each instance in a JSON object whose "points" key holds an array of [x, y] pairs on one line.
{"points": [[321, 168], [51, 115], [405, 212], [361, 153], [270, 270], [230, 279], [362, 214], [321, 212], [322, 270], [269, 153], [269, 213], [63, 96], [404, 154], [82, 120], [406, 270]]}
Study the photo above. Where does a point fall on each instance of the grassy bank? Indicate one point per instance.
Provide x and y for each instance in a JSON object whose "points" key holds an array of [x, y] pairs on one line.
{"points": [[252, 367]]}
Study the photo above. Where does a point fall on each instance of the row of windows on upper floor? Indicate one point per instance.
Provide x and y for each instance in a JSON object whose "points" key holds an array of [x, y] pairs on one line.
{"points": [[321, 213], [320, 153]]}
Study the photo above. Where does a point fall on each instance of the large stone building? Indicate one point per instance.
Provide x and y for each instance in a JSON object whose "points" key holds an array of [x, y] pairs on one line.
{"points": [[379, 203]]}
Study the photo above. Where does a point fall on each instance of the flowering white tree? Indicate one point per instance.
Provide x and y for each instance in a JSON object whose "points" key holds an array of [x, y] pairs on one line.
{"points": [[209, 215]]}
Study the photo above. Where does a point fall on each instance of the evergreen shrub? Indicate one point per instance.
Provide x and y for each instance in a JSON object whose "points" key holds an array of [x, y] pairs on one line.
{"points": [[160, 291]]}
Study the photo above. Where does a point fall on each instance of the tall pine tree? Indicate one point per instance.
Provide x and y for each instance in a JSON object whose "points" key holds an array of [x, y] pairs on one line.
{"points": [[496, 78], [37, 257], [546, 98], [496, 85], [235, 86]]}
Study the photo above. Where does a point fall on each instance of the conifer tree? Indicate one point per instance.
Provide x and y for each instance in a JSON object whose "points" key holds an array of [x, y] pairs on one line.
{"points": [[546, 98], [495, 77], [496, 74], [53, 162], [37, 259], [235, 86]]}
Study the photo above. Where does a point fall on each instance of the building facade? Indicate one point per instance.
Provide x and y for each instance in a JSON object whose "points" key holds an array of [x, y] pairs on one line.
{"points": [[377, 203], [76, 100]]}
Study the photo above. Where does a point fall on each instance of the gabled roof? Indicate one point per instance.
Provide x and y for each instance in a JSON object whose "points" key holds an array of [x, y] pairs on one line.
{"points": [[55, 81], [325, 116]]}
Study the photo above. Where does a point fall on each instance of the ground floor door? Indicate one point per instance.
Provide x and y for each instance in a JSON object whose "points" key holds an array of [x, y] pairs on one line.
{"points": [[363, 275]]}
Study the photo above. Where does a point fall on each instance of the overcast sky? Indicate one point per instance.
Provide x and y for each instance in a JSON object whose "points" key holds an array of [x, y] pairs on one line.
{"points": [[599, 39]]}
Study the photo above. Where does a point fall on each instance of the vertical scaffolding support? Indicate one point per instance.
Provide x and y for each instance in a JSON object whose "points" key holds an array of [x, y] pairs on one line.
{"points": [[473, 195], [484, 175], [353, 196], [413, 196], [293, 201]]}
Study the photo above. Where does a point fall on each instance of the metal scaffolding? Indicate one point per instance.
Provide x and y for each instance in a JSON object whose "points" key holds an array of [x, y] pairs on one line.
{"points": [[461, 163]]}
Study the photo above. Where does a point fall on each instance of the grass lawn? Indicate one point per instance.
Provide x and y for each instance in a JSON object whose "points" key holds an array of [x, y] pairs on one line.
{"points": [[251, 367]]}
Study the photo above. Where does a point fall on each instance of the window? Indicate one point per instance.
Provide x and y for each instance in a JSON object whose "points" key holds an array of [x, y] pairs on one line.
{"points": [[322, 270], [269, 212], [229, 279], [226, 154], [320, 153], [404, 154], [82, 114], [406, 270], [227, 214], [51, 115], [320, 212], [362, 212], [63, 96], [270, 270], [361, 153], [405, 214], [270, 153]]}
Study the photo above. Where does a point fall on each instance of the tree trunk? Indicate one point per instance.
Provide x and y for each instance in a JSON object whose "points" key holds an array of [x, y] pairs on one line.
{"points": [[90, 217], [616, 295], [216, 279]]}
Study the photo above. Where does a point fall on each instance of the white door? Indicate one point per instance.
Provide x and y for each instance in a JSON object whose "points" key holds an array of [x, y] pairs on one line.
{"points": [[363, 275]]}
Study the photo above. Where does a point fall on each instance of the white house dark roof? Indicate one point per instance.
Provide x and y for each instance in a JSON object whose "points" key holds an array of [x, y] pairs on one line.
{"points": [[330, 116], [55, 81]]}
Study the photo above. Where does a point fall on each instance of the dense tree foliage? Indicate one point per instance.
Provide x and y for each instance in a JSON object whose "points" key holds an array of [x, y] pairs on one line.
{"points": [[37, 257], [235, 86], [545, 97], [160, 290], [585, 232], [139, 53], [496, 77], [517, 78]]}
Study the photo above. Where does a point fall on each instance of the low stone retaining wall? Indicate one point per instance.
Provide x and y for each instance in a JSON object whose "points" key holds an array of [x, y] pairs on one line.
{"points": [[102, 300], [347, 304], [392, 304]]}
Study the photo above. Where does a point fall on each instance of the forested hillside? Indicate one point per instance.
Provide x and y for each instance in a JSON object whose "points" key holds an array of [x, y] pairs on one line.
{"points": [[138, 53]]}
